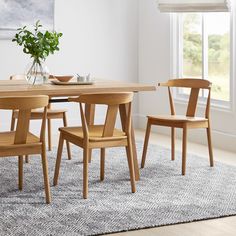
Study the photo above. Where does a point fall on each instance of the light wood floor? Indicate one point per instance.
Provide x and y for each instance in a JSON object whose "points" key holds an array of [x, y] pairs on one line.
{"points": [[218, 227]]}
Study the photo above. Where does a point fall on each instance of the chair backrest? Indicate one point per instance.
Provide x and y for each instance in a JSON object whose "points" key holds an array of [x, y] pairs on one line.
{"points": [[112, 100], [195, 85], [24, 105], [22, 77]]}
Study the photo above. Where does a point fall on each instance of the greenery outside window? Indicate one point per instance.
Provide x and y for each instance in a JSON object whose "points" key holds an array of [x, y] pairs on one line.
{"points": [[204, 51]]}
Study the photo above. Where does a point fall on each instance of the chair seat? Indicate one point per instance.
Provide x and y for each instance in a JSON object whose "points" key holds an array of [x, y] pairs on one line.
{"points": [[95, 133], [38, 113], [177, 118], [7, 138], [49, 111]]}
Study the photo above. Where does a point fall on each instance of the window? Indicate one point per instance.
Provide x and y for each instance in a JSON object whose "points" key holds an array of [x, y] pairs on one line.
{"points": [[204, 51]]}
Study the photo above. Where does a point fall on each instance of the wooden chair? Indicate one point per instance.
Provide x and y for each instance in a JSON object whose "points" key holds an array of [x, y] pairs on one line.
{"points": [[38, 114], [99, 136], [189, 121], [22, 142]]}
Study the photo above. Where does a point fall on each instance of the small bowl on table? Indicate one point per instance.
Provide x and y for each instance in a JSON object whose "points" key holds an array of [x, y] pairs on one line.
{"points": [[62, 78]]}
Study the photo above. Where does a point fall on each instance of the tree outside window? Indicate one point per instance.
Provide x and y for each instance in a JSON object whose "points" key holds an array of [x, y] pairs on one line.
{"points": [[206, 50]]}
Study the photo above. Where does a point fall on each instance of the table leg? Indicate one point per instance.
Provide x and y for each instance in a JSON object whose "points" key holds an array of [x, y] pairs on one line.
{"points": [[123, 115], [89, 115]]}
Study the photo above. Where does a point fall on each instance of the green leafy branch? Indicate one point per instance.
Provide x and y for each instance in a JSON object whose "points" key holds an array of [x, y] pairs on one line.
{"points": [[38, 44]]}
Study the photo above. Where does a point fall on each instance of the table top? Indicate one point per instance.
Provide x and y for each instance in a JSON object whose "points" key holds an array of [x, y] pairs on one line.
{"points": [[21, 88]]}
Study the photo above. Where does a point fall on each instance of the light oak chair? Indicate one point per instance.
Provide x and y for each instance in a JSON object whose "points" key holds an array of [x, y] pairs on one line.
{"points": [[38, 114], [185, 122], [99, 136], [22, 142]]}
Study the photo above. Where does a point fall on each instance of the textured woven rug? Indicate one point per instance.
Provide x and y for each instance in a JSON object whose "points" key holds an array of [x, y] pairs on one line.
{"points": [[163, 196]]}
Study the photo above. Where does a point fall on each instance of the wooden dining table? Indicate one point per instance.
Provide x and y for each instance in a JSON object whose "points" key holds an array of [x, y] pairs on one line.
{"points": [[59, 93]]}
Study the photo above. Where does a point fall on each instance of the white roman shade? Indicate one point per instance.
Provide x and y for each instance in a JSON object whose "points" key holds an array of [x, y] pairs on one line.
{"points": [[194, 5]]}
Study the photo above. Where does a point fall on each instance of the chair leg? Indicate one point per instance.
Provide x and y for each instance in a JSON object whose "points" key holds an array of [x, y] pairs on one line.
{"points": [[67, 143], [13, 121], [210, 146], [102, 163], [85, 173], [184, 149], [89, 114], [90, 156], [26, 159], [45, 175], [172, 143], [127, 154], [20, 172], [49, 135], [131, 165], [147, 135], [58, 161]]}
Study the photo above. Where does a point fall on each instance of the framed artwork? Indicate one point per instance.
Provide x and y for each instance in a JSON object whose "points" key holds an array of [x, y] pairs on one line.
{"points": [[17, 13]]}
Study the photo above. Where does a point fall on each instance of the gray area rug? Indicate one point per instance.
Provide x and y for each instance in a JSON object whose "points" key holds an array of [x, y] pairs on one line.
{"points": [[163, 196]]}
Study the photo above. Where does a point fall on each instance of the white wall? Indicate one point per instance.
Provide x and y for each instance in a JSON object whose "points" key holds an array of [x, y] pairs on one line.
{"points": [[99, 37], [113, 39], [155, 65]]}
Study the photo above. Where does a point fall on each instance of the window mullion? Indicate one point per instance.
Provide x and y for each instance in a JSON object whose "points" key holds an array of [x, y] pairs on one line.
{"points": [[204, 50], [180, 45], [180, 51]]}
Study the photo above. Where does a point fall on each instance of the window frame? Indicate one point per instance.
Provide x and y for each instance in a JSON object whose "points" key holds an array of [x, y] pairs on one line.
{"points": [[177, 56]]}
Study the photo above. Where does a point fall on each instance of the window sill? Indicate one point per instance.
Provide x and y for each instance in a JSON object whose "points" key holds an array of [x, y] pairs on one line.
{"points": [[201, 104]]}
